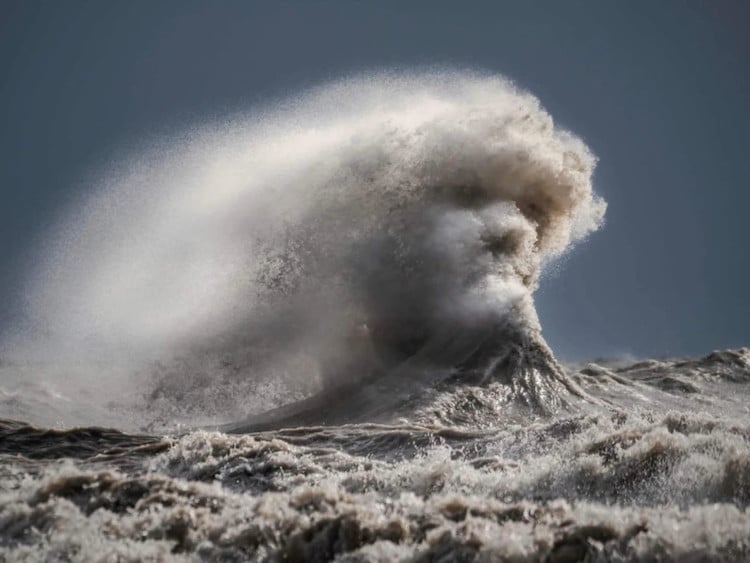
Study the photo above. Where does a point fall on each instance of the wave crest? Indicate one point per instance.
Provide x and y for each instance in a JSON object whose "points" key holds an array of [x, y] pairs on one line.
{"points": [[380, 225]]}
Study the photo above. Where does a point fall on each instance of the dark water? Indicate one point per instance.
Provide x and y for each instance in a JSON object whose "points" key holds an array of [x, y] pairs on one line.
{"points": [[653, 466]]}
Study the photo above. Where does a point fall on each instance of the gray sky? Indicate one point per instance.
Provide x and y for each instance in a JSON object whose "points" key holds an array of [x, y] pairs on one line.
{"points": [[659, 90]]}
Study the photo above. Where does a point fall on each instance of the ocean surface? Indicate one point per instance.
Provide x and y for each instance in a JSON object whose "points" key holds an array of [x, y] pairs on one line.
{"points": [[658, 469], [308, 333]]}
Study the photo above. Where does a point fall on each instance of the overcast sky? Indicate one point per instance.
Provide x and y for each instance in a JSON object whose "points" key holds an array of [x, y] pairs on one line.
{"points": [[659, 91]]}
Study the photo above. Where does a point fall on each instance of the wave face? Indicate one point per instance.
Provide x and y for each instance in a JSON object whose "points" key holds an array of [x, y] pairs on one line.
{"points": [[390, 226]]}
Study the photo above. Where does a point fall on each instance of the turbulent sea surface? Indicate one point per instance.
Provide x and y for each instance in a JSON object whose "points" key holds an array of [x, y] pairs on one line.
{"points": [[309, 334], [659, 472]]}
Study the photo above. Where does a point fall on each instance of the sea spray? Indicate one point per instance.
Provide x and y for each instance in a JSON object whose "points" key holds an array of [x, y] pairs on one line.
{"points": [[392, 225]]}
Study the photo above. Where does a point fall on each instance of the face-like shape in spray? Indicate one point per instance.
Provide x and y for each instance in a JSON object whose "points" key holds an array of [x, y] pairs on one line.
{"points": [[382, 211]]}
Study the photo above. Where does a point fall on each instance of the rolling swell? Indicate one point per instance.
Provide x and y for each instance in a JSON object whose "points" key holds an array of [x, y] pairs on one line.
{"points": [[503, 373], [347, 251]]}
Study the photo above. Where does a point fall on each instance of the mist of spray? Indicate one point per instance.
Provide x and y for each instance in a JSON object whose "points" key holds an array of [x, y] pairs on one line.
{"points": [[334, 237]]}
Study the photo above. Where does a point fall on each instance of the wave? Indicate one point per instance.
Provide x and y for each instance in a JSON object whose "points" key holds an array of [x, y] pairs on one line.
{"points": [[626, 487], [389, 228]]}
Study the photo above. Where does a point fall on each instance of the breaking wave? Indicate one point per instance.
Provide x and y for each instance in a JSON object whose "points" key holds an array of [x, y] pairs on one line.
{"points": [[346, 280], [384, 233]]}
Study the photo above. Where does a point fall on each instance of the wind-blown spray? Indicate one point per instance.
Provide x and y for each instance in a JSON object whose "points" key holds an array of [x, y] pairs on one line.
{"points": [[390, 226]]}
